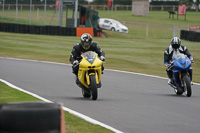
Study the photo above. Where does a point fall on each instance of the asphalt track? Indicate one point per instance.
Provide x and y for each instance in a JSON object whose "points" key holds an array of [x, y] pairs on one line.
{"points": [[128, 102]]}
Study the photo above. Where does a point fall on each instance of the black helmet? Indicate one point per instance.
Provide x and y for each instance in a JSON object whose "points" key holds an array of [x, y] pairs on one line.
{"points": [[86, 40], [175, 42]]}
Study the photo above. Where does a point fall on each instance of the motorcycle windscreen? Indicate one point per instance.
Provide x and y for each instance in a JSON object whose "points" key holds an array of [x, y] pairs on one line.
{"points": [[89, 56]]}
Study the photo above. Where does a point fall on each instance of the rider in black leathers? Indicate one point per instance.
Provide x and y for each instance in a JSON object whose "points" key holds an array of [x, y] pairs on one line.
{"points": [[85, 45], [175, 46]]}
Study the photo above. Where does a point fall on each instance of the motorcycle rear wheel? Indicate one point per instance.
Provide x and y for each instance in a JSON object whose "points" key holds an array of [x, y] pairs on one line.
{"points": [[188, 90], [93, 87]]}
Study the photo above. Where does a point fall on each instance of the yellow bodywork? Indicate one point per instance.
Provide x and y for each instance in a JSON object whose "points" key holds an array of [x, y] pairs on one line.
{"points": [[85, 66]]}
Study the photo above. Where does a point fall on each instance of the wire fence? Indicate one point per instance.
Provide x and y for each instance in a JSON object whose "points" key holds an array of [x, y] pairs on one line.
{"points": [[40, 14], [155, 31], [26, 14]]}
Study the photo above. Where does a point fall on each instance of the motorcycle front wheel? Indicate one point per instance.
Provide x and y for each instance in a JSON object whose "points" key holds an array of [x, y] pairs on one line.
{"points": [[187, 85], [93, 87]]}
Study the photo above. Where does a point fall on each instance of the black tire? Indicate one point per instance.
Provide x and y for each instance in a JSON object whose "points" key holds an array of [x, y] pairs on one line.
{"points": [[112, 29], [85, 94], [188, 90], [93, 87], [34, 117]]}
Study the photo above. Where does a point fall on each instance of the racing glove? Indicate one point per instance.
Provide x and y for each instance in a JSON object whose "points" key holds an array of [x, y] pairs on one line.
{"points": [[102, 58], [191, 58], [166, 64], [75, 63]]}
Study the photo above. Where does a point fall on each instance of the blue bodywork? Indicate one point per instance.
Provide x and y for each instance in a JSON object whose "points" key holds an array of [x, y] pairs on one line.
{"points": [[182, 65]]}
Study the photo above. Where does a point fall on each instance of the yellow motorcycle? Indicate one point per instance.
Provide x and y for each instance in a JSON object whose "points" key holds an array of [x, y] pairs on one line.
{"points": [[89, 74]]}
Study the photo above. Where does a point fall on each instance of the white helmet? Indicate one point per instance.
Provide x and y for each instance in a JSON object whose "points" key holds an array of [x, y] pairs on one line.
{"points": [[175, 42]]}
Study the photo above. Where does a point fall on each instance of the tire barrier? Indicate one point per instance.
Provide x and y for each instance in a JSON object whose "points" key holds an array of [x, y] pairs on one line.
{"points": [[42, 30], [193, 36], [31, 117]]}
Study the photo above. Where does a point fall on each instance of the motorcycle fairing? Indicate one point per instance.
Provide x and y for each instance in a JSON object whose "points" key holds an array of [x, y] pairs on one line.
{"points": [[182, 65], [89, 65]]}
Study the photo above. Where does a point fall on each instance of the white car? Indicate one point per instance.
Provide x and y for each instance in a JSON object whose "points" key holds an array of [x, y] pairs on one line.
{"points": [[113, 25]]}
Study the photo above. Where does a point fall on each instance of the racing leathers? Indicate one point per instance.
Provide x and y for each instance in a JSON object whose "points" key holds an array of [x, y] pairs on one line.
{"points": [[78, 50], [168, 54]]}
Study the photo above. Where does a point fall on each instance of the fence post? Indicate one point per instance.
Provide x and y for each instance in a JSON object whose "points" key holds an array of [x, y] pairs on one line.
{"points": [[76, 13], [30, 11], [147, 31], [60, 15], [38, 14], [45, 10], [16, 10], [174, 31], [3, 9]]}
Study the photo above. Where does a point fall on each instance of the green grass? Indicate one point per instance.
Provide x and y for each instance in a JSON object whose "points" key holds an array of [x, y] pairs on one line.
{"points": [[159, 18], [154, 18], [11, 95], [36, 19], [73, 124]]}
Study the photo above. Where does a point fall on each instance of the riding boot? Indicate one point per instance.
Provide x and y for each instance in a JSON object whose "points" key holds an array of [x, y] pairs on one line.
{"points": [[76, 79], [169, 74], [169, 81]]}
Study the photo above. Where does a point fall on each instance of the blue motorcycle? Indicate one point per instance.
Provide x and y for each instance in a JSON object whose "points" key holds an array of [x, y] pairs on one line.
{"points": [[182, 74]]}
